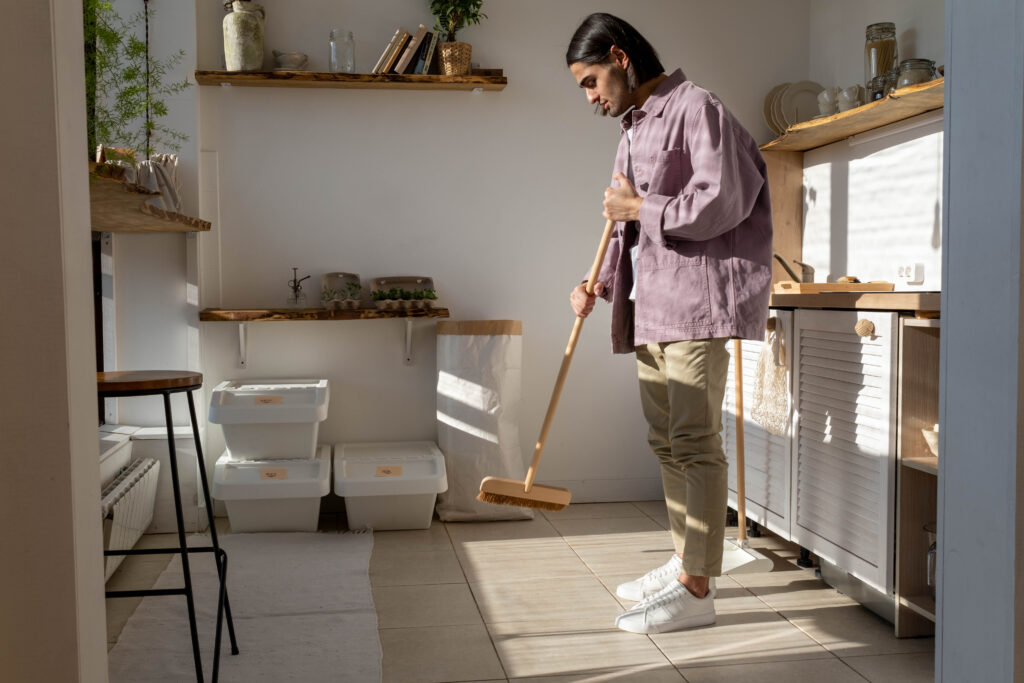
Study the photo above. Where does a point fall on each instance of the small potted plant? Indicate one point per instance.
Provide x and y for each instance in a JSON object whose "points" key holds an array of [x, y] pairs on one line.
{"points": [[452, 16], [331, 298], [352, 292]]}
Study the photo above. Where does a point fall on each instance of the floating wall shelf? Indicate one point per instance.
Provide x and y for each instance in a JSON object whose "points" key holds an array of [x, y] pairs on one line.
{"points": [[898, 105], [117, 206], [249, 315], [315, 79]]}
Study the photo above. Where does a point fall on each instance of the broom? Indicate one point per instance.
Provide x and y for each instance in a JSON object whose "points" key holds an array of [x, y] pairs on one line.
{"points": [[525, 493]]}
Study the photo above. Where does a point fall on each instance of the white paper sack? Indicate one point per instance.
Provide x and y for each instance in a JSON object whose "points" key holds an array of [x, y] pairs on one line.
{"points": [[479, 389]]}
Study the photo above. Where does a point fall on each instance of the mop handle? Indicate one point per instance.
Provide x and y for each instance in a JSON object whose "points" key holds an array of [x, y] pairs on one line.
{"points": [[741, 494], [567, 358]]}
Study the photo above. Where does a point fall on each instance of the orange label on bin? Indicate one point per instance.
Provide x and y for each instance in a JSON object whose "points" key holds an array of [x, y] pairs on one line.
{"points": [[267, 400], [389, 471], [274, 473]]}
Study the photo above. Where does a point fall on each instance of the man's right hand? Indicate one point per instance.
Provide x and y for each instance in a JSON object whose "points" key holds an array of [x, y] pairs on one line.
{"points": [[583, 303]]}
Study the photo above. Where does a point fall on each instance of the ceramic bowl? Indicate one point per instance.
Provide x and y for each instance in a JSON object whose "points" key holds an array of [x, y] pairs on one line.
{"points": [[290, 60]]}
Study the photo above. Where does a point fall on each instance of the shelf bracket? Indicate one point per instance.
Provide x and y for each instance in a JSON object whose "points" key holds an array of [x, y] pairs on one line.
{"points": [[243, 345], [408, 342]]}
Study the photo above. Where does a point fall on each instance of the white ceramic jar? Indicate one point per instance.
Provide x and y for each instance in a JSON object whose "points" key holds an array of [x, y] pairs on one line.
{"points": [[243, 37]]}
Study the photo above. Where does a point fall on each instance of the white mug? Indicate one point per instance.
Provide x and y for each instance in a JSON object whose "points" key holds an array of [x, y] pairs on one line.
{"points": [[827, 101], [850, 97]]}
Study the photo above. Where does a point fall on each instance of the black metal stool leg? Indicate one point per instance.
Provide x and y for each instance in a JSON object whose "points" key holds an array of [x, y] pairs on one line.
{"points": [[182, 543], [218, 553]]}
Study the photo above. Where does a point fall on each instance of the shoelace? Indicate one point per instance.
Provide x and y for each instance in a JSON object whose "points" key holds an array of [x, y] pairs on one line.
{"points": [[669, 567]]}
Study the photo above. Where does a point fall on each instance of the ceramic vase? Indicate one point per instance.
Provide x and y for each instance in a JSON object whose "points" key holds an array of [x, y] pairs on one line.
{"points": [[243, 37]]}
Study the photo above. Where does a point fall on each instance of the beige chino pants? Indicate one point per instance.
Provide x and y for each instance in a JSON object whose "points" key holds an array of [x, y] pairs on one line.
{"points": [[682, 385]]}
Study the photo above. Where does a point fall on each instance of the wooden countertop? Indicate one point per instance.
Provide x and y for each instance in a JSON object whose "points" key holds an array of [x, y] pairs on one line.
{"points": [[879, 301]]}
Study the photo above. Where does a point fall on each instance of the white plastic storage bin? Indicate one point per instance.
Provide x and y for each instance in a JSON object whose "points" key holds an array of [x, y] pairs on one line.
{"points": [[267, 419], [389, 485], [278, 495]]}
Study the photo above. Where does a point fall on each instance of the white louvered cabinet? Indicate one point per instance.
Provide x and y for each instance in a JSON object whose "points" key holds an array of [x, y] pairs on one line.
{"points": [[844, 440], [767, 455]]}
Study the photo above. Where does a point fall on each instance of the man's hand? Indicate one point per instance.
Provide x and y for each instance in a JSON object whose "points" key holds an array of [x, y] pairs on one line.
{"points": [[583, 303], [622, 203]]}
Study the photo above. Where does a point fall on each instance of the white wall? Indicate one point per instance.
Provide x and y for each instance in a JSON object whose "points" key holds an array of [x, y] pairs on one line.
{"points": [[495, 195], [837, 35], [873, 203], [52, 610]]}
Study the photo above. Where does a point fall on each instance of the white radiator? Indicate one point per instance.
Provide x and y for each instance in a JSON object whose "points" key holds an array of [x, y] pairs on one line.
{"points": [[128, 508]]}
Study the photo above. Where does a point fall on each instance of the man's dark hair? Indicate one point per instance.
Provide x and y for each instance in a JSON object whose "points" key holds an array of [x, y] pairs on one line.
{"points": [[594, 38]]}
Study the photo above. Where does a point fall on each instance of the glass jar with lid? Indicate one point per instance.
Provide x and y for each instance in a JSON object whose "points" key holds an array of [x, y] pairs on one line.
{"points": [[876, 88], [880, 53], [915, 71]]}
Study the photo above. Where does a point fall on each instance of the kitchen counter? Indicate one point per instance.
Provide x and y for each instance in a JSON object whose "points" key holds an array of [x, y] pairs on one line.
{"points": [[877, 301]]}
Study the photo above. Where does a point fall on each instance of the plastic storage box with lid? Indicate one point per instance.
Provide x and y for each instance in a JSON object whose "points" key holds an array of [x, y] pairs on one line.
{"points": [[389, 485], [283, 495], [268, 419]]}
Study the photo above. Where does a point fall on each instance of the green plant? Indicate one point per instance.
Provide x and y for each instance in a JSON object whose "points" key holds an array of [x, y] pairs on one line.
{"points": [[354, 288], [126, 90], [454, 15], [330, 294]]}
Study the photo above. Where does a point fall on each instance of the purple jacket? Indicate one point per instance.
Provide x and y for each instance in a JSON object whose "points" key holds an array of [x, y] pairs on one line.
{"points": [[705, 229]]}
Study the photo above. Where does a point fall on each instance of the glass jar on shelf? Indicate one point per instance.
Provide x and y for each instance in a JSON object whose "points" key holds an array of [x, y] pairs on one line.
{"points": [[876, 88], [913, 71], [880, 52]]}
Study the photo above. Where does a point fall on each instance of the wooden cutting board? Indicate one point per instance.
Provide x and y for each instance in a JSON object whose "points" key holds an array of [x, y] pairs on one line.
{"points": [[790, 287]]}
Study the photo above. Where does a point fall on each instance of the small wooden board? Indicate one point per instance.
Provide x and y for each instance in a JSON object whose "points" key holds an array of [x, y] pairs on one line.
{"points": [[790, 287]]}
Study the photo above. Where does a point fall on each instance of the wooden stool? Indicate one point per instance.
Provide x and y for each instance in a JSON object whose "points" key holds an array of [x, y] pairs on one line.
{"points": [[164, 383]]}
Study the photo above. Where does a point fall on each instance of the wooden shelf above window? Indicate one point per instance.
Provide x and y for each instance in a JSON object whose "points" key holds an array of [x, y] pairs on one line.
{"points": [[315, 79], [246, 315], [898, 105]]}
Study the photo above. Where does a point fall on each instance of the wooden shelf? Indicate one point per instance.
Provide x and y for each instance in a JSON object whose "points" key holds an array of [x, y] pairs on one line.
{"points": [[898, 105], [314, 79], [879, 301], [924, 463], [117, 206], [246, 315]]}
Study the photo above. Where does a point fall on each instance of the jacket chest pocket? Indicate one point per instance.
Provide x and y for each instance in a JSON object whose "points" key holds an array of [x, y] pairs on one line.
{"points": [[664, 173]]}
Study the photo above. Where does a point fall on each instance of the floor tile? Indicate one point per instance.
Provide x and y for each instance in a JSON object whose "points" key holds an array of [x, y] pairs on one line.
{"points": [[603, 529], [798, 588], [830, 669], [519, 559], [413, 540], [448, 604], [562, 647], [438, 654], [739, 638], [594, 511], [918, 667], [582, 598], [415, 568], [636, 674], [656, 510], [634, 554], [849, 630], [466, 532]]}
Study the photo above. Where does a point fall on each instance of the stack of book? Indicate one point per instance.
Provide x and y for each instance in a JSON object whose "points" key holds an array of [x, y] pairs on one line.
{"points": [[408, 53]]}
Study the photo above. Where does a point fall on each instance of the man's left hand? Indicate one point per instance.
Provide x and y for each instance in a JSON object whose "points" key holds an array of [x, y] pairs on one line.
{"points": [[622, 203]]}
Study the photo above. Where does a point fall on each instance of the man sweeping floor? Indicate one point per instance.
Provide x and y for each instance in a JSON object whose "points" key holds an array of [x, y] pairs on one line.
{"points": [[689, 267]]}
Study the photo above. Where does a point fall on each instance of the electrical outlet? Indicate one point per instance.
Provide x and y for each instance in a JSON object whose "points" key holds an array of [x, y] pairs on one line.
{"points": [[911, 273]]}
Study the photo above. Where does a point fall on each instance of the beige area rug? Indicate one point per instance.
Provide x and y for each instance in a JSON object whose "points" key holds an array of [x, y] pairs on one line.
{"points": [[302, 608]]}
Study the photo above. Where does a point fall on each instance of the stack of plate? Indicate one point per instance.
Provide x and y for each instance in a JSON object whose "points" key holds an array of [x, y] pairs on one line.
{"points": [[791, 103]]}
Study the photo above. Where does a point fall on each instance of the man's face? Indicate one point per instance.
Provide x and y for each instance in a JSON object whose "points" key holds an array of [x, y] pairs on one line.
{"points": [[605, 85]]}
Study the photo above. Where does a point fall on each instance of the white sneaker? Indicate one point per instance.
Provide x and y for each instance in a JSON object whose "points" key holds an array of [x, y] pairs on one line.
{"points": [[673, 609], [654, 581]]}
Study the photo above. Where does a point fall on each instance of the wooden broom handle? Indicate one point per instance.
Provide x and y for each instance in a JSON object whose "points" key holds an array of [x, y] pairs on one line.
{"points": [[741, 494], [567, 358]]}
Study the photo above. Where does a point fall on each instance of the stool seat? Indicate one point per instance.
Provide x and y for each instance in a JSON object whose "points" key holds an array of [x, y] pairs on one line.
{"points": [[147, 380]]}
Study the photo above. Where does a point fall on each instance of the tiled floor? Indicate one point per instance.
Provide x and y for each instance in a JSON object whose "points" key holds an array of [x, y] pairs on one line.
{"points": [[534, 601]]}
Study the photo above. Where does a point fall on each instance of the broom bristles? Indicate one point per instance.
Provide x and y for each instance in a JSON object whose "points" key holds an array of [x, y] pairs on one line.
{"points": [[498, 499]]}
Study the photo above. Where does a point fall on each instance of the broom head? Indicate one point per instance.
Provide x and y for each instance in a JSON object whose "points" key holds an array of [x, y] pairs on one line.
{"points": [[512, 492]]}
